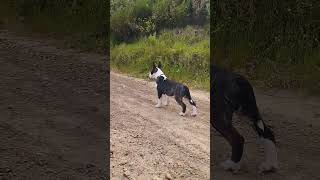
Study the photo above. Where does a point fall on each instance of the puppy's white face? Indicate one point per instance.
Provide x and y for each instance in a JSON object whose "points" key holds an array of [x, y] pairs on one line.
{"points": [[155, 73]]}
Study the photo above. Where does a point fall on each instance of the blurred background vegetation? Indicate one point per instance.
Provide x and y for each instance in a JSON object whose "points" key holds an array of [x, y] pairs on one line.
{"points": [[274, 43], [175, 32], [82, 23]]}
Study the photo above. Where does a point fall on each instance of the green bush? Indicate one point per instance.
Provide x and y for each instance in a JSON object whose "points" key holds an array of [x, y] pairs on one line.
{"points": [[185, 57], [267, 39], [121, 24]]}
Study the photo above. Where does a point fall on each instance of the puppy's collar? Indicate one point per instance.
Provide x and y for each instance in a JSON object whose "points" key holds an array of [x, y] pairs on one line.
{"points": [[164, 77]]}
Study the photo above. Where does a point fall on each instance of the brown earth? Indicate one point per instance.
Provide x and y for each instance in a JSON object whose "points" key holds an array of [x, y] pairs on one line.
{"points": [[149, 142], [52, 111]]}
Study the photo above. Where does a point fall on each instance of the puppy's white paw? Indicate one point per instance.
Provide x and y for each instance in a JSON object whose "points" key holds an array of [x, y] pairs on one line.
{"points": [[182, 114], [268, 167], [194, 111], [165, 103], [158, 106], [271, 159], [229, 165]]}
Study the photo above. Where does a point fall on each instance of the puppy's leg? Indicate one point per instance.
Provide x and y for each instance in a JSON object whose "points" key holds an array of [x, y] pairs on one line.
{"points": [[267, 140], [236, 141], [194, 106], [165, 99], [159, 100], [181, 103], [223, 124]]}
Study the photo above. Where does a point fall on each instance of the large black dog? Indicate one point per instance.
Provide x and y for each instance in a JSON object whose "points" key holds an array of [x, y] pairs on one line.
{"points": [[166, 87], [231, 93]]}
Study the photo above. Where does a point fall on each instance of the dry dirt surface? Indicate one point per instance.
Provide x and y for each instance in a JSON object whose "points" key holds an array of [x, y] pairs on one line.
{"points": [[155, 143], [52, 111]]}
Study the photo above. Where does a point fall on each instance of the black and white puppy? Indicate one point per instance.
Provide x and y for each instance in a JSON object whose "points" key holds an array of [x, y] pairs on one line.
{"points": [[166, 87], [231, 93]]}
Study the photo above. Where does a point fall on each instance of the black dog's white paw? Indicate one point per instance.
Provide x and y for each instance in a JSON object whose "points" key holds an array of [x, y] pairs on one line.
{"points": [[268, 167], [271, 159], [182, 114], [158, 106], [229, 165], [194, 111]]}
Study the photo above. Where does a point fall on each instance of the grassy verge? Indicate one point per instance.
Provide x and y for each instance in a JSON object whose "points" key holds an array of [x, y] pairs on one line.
{"points": [[80, 24], [185, 56], [272, 72]]}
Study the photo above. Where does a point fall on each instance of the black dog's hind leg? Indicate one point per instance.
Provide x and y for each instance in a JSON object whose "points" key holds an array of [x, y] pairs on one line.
{"points": [[194, 106], [182, 104], [265, 138], [250, 109]]}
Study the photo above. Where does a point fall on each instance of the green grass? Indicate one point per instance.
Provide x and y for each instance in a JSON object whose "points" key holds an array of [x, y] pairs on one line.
{"points": [[272, 71], [185, 57]]}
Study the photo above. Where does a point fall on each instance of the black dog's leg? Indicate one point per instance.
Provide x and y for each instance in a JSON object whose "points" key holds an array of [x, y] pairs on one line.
{"points": [[223, 124], [194, 106], [266, 138], [182, 104], [250, 109], [159, 99]]}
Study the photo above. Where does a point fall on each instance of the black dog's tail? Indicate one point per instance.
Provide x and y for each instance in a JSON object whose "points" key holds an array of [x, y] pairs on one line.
{"points": [[188, 96]]}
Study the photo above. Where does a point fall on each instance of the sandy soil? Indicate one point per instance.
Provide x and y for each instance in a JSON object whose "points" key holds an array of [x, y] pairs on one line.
{"points": [[52, 111], [148, 142]]}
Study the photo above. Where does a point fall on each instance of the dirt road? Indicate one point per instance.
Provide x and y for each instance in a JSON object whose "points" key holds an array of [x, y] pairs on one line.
{"points": [[52, 111], [148, 142]]}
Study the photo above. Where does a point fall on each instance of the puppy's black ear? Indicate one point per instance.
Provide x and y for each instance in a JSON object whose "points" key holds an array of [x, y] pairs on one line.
{"points": [[159, 65], [154, 65]]}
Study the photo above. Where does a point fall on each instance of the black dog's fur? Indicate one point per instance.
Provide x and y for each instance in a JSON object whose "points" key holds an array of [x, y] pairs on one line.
{"points": [[172, 88], [232, 93]]}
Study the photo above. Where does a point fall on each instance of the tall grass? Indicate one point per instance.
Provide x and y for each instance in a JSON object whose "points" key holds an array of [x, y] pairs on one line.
{"points": [[184, 54]]}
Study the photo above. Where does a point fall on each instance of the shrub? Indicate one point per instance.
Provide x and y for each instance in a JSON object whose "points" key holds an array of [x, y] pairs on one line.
{"points": [[185, 56]]}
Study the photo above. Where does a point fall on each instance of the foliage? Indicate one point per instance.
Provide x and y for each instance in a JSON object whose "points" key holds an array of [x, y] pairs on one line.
{"points": [[185, 56], [274, 43]]}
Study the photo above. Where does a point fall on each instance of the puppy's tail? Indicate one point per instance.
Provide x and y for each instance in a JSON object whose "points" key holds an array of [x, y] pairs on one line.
{"points": [[188, 96]]}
